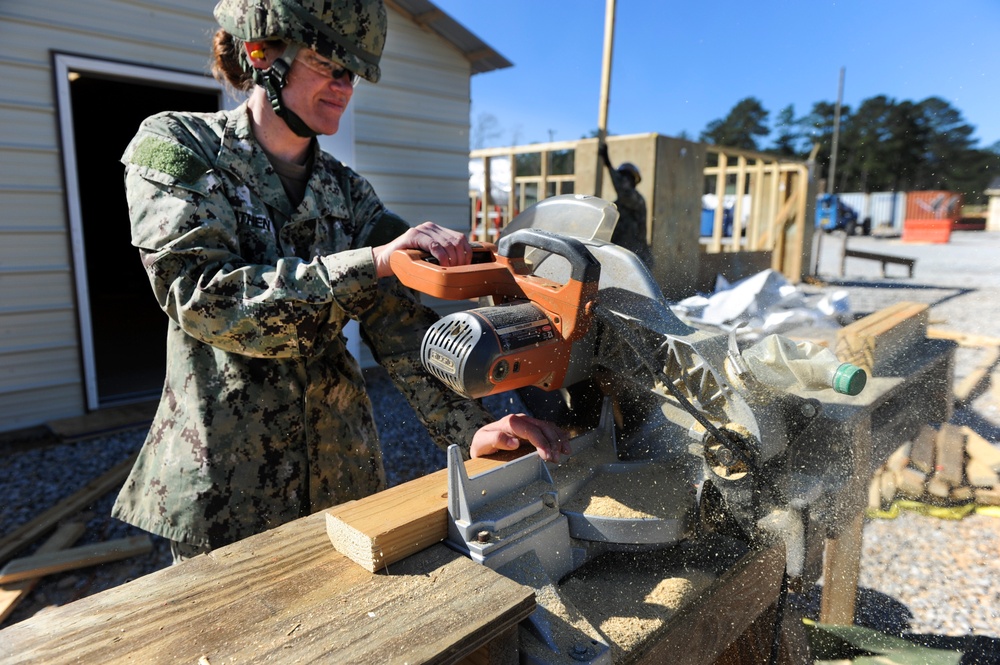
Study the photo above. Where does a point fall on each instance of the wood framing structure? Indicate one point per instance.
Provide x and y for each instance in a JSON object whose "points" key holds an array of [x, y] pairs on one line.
{"points": [[771, 204], [771, 200]]}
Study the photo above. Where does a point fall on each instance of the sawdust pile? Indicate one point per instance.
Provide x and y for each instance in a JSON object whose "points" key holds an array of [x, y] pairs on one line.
{"points": [[628, 607], [641, 494]]}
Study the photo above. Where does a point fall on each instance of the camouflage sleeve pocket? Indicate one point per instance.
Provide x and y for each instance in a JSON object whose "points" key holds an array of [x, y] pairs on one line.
{"points": [[170, 163]]}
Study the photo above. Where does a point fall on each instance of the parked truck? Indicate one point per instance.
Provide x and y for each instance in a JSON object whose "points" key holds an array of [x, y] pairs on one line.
{"points": [[832, 214]]}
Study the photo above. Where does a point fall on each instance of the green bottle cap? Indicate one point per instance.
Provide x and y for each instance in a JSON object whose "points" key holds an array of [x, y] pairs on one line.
{"points": [[849, 379]]}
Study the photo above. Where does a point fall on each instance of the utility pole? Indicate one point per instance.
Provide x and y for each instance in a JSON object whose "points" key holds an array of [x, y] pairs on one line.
{"points": [[602, 117], [836, 134]]}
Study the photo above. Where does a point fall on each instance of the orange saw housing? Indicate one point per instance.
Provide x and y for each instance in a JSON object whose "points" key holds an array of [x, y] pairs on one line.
{"points": [[527, 337]]}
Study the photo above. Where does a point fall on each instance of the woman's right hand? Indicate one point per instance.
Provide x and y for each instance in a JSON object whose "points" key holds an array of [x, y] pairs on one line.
{"points": [[450, 248]]}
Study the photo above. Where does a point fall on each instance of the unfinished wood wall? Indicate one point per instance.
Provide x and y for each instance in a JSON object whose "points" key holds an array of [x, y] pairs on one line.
{"points": [[772, 202]]}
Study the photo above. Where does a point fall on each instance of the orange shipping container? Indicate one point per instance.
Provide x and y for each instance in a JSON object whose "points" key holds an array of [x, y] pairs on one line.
{"points": [[934, 205]]}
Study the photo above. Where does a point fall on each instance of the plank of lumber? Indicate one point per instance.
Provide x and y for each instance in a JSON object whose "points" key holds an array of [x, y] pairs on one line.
{"points": [[104, 421], [981, 450], [876, 339], [963, 338], [283, 596], [11, 594], [39, 565], [90, 493], [384, 528], [923, 449], [973, 385], [950, 460]]}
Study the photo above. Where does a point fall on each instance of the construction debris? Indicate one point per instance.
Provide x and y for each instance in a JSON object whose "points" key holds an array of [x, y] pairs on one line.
{"points": [[11, 594], [60, 561], [19, 576], [762, 304], [948, 467], [30, 532]]}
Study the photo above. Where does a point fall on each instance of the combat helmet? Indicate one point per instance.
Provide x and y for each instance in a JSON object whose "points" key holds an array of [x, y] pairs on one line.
{"points": [[348, 32], [628, 168]]}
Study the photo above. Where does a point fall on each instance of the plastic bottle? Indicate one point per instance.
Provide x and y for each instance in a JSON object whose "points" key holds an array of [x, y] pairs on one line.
{"points": [[782, 363]]}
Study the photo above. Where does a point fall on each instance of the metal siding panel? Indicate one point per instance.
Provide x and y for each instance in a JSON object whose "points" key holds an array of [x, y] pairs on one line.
{"points": [[26, 168], [416, 162], [414, 133], [26, 250], [35, 369], [27, 86], [882, 211], [36, 329], [879, 207], [27, 408], [26, 126], [437, 81], [33, 211], [409, 41], [118, 27], [454, 216], [35, 290]]}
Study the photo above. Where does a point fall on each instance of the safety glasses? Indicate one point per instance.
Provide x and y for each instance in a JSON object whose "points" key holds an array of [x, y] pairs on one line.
{"points": [[326, 68]]}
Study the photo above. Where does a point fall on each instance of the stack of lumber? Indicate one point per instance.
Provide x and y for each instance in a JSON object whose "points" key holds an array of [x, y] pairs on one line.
{"points": [[947, 466], [56, 554], [879, 339]]}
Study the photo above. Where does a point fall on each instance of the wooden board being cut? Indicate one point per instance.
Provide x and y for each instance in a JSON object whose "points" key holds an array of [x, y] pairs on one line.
{"points": [[389, 526], [282, 596]]}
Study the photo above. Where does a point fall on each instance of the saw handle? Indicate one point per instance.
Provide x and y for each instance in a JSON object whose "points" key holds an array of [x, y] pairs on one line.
{"points": [[584, 267], [484, 276], [568, 305]]}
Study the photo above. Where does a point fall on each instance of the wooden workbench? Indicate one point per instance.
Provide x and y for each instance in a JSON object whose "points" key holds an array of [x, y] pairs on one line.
{"points": [[282, 596]]}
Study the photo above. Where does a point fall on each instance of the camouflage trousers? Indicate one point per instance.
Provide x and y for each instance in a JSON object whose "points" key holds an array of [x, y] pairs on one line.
{"points": [[181, 552]]}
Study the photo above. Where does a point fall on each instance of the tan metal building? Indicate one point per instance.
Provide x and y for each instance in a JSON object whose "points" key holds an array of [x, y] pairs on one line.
{"points": [[79, 329]]}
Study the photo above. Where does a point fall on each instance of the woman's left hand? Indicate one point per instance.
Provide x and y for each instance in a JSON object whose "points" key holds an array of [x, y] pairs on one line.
{"points": [[450, 248], [508, 432]]}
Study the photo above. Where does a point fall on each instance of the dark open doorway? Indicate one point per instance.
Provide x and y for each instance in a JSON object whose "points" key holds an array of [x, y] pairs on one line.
{"points": [[128, 327]]}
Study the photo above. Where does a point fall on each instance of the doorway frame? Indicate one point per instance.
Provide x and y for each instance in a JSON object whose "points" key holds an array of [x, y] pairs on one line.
{"points": [[62, 65]]}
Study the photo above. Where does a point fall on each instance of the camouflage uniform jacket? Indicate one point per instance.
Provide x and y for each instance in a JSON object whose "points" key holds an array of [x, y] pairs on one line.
{"points": [[264, 416], [630, 231]]}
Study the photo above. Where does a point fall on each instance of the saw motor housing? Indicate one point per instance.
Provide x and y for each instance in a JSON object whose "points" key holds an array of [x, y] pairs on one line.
{"points": [[535, 333]]}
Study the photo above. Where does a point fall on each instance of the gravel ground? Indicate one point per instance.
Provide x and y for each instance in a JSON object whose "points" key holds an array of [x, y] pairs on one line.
{"points": [[936, 578]]}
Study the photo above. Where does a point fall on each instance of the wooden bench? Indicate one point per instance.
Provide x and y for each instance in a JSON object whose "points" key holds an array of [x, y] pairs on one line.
{"points": [[884, 259]]}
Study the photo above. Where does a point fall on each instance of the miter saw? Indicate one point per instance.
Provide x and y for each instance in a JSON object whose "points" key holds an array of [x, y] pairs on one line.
{"points": [[681, 436]]}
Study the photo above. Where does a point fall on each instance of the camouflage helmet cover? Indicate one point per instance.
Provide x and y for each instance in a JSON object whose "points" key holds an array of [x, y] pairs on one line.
{"points": [[349, 32]]}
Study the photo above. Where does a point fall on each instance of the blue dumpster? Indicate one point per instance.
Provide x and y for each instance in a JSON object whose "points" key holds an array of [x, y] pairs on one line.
{"points": [[708, 222]]}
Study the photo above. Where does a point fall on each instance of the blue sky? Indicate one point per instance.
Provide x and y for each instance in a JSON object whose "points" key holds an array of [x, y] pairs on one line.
{"points": [[679, 64]]}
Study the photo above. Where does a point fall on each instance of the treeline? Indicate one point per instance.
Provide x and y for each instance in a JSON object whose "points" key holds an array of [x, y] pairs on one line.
{"points": [[883, 145]]}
